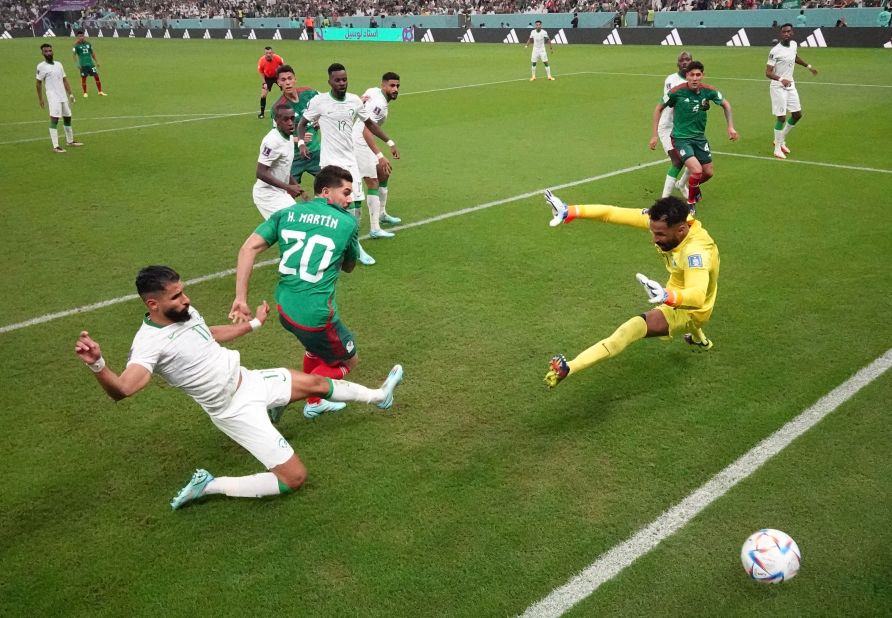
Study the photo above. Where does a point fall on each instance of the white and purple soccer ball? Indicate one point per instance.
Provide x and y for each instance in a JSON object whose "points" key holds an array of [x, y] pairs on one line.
{"points": [[770, 556]]}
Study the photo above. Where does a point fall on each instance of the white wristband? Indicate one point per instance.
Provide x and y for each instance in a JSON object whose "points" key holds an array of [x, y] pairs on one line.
{"points": [[300, 142], [255, 324], [391, 143], [380, 155], [97, 366], [808, 66]]}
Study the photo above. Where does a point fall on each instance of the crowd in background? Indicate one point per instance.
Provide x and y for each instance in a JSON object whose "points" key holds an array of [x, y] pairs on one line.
{"points": [[21, 13]]}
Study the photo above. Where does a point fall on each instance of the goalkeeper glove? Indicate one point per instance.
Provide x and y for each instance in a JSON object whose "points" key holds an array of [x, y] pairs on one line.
{"points": [[656, 293], [558, 209]]}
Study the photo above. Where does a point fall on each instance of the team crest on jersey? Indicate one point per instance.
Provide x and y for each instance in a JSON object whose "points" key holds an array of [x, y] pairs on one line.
{"points": [[695, 261], [349, 346]]}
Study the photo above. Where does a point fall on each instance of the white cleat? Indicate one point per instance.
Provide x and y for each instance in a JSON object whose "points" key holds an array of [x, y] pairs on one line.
{"points": [[779, 153], [381, 234]]}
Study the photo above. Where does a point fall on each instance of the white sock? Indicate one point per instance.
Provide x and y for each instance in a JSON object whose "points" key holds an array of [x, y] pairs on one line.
{"points": [[534, 70], [382, 197], [683, 180], [668, 185], [254, 486], [69, 133], [787, 128], [374, 211], [779, 138], [547, 70], [342, 390], [54, 136]]}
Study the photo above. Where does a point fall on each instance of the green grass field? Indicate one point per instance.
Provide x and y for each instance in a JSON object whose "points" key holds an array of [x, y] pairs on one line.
{"points": [[480, 491]]}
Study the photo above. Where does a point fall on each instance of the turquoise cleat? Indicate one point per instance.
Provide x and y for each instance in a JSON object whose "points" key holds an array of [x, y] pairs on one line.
{"points": [[390, 220], [393, 379], [193, 489], [314, 410]]}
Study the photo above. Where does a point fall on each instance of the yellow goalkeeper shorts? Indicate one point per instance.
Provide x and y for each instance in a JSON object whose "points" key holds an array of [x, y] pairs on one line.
{"points": [[680, 320]]}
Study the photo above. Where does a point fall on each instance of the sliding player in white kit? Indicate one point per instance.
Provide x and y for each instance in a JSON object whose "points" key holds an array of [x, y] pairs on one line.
{"points": [[175, 343], [276, 188], [336, 112], [377, 106], [784, 98], [664, 131], [538, 38]]}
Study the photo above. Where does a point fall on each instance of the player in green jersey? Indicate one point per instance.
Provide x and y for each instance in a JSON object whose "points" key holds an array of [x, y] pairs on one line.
{"points": [[86, 61], [298, 97], [317, 240], [690, 102]]}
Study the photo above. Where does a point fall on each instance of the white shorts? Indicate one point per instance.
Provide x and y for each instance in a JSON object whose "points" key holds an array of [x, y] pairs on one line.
{"points": [[665, 135], [784, 100], [358, 194], [59, 109], [539, 55], [269, 203], [245, 419], [366, 161]]}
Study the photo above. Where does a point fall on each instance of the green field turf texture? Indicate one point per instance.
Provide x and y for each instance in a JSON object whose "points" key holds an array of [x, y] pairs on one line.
{"points": [[480, 491]]}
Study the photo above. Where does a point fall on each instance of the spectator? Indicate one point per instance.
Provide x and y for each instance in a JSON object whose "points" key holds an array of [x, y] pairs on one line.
{"points": [[574, 23], [884, 18], [801, 19]]}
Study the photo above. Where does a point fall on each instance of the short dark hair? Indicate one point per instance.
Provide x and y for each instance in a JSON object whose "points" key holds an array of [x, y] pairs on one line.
{"points": [[782, 26], [695, 64], [79, 32], [44, 46], [538, 21], [153, 279], [281, 107], [331, 177], [335, 67], [284, 68], [672, 210], [390, 75], [267, 48]]}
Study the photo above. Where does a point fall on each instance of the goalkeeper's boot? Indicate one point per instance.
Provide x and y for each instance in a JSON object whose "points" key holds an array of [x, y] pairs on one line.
{"points": [[702, 345], [314, 410], [275, 414], [193, 489], [557, 370], [393, 378]]}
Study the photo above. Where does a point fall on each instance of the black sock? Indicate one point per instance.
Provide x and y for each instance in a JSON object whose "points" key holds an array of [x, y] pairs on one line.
{"points": [[262, 104]]}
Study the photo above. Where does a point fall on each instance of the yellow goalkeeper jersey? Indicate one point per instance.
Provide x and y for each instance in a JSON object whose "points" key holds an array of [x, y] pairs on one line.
{"points": [[693, 265]]}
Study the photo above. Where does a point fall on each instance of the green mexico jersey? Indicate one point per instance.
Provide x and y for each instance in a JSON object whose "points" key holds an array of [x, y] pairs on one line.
{"points": [[314, 238], [303, 99], [690, 109], [84, 53]]}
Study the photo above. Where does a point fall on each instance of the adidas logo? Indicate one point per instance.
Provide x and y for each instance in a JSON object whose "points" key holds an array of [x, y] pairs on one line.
{"points": [[166, 33], [186, 34], [277, 36], [428, 37], [303, 36], [672, 38], [886, 45], [511, 38], [252, 36], [207, 34], [468, 37], [560, 38], [72, 33], [739, 40], [148, 34], [228, 35], [5, 35], [100, 35], [115, 35], [132, 34], [815, 39], [612, 38], [49, 34]]}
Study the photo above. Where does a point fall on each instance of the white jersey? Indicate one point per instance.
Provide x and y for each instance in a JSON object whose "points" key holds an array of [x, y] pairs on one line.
{"points": [[188, 357], [51, 75], [377, 108], [276, 151], [539, 37], [336, 119], [783, 59], [672, 80]]}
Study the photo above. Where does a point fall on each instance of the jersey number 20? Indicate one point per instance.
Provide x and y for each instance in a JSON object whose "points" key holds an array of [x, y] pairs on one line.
{"points": [[306, 253]]}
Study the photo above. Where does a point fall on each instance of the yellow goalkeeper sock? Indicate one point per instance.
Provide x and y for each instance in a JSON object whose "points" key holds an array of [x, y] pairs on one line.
{"points": [[629, 332]]}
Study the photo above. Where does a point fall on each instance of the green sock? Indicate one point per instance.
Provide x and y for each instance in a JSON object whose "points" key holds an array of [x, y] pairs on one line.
{"points": [[779, 125], [673, 171], [792, 121]]}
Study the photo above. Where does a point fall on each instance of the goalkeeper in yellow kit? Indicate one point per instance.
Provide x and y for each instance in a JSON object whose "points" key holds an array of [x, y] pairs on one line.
{"points": [[684, 304]]}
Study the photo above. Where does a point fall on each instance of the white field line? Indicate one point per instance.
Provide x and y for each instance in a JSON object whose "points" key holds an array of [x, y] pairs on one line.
{"points": [[130, 127], [49, 317], [611, 563], [838, 166], [80, 119]]}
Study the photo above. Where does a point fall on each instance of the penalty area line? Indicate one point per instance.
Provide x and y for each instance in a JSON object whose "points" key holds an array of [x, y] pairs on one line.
{"points": [[839, 166], [49, 317], [613, 562]]}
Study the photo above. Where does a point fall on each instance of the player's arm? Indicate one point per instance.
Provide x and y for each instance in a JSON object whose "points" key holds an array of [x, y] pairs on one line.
{"points": [[377, 131], [301, 129], [95, 59], [530, 40], [551, 45], [265, 174], [247, 256], [68, 89], [691, 296], [564, 213], [655, 123], [351, 254], [40, 93], [803, 63], [726, 107], [118, 387], [227, 332]]}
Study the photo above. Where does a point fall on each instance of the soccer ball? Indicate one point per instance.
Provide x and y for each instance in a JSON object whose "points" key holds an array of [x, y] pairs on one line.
{"points": [[770, 556]]}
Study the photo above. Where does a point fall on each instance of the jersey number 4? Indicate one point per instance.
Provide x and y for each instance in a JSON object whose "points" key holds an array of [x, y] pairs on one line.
{"points": [[306, 249]]}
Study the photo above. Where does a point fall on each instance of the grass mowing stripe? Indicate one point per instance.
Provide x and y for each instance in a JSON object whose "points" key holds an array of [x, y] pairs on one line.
{"points": [[816, 163], [611, 563], [49, 317]]}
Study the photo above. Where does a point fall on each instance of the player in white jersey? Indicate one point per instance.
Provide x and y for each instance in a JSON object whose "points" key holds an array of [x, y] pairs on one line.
{"points": [[51, 75], [336, 112], [784, 97], [538, 37], [664, 131], [175, 342], [276, 188], [376, 101]]}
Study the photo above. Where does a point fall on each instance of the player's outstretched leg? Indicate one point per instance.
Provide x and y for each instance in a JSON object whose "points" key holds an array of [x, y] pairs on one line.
{"points": [[557, 370], [195, 488], [698, 341], [393, 379]]}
